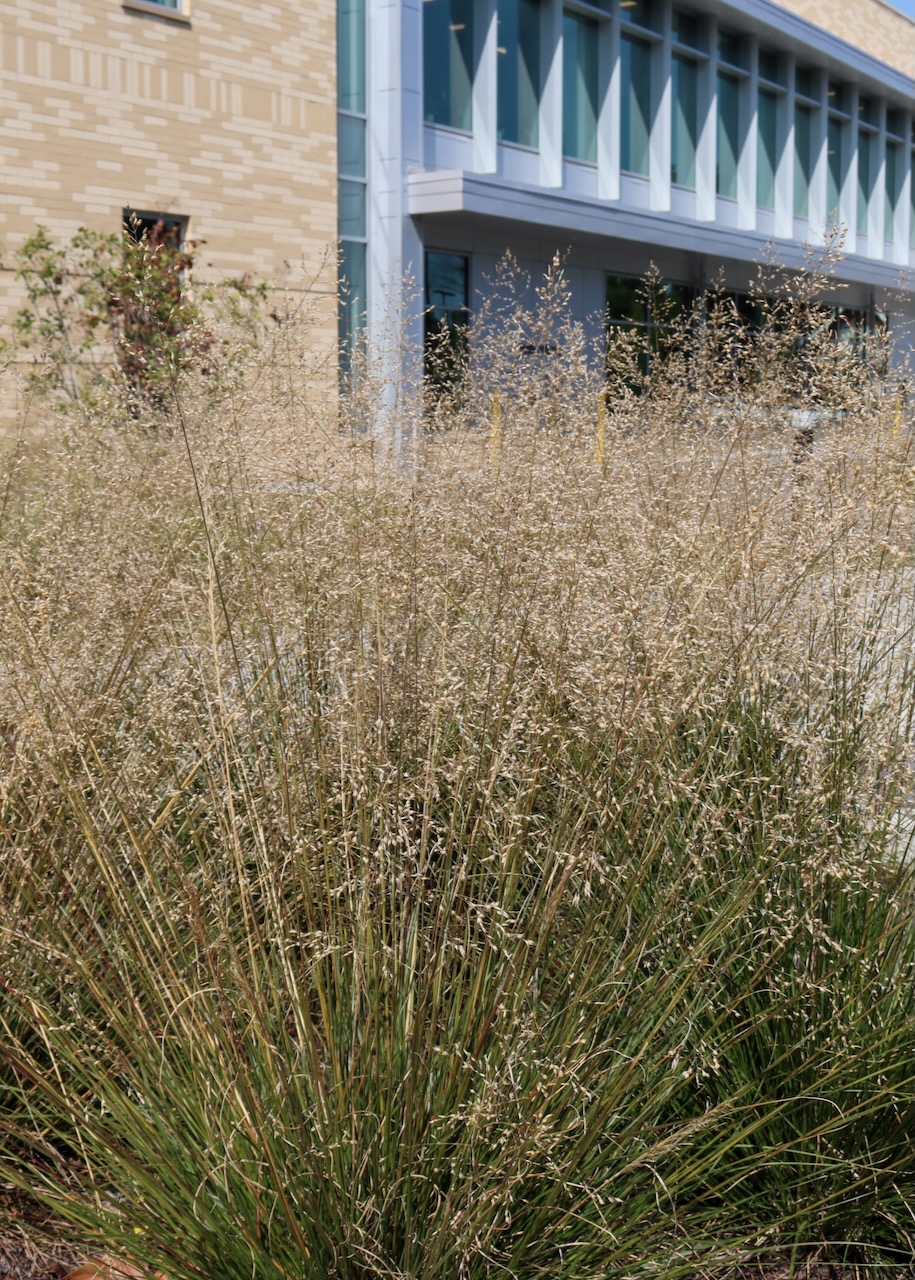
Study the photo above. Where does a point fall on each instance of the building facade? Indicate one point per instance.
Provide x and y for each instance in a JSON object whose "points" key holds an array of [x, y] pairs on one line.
{"points": [[218, 116], [425, 138], [701, 136]]}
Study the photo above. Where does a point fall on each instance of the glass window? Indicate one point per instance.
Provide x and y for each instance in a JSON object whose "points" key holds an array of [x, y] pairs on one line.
{"points": [[912, 201], [351, 55], [446, 284], [625, 302], [893, 188], [448, 63], [351, 297], [351, 208], [769, 68], [685, 29], [865, 178], [351, 146], [684, 101], [728, 136], [638, 11], [867, 110], [579, 87], [519, 71], [447, 314], [654, 312], [635, 105], [894, 122], [766, 159], [803, 159], [806, 83], [731, 50], [833, 170]]}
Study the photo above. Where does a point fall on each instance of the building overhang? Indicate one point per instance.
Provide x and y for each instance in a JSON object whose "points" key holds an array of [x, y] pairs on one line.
{"points": [[790, 31], [444, 193]]}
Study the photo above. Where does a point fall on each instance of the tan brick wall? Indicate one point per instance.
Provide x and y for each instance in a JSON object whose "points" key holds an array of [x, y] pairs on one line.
{"points": [[874, 26], [228, 119]]}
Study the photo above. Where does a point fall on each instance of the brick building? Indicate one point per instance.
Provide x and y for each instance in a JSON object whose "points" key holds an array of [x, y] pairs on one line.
{"points": [[219, 116], [432, 135]]}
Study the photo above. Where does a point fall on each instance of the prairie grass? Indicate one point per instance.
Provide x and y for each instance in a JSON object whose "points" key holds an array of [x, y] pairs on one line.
{"points": [[484, 859]]}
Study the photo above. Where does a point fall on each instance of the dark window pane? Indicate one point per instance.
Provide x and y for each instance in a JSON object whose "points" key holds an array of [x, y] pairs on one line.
{"points": [[635, 105], [579, 87], [448, 63], [519, 71]]}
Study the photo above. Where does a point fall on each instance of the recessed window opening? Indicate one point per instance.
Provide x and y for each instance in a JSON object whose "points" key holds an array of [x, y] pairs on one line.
{"points": [[518, 72], [728, 135], [685, 121], [766, 154], [894, 126], [579, 87], [732, 51], [448, 63], [803, 158], [167, 229], [771, 70], [640, 13], [893, 191], [685, 30], [447, 315], [806, 84], [866, 171], [635, 105]]}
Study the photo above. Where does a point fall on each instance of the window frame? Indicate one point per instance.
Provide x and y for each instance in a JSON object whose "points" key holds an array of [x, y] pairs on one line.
{"points": [[180, 13]]}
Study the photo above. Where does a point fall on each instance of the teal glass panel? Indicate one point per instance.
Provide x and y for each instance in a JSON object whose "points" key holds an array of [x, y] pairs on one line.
{"points": [[579, 87], [893, 176], [448, 63], [766, 158], [351, 298], [865, 179], [833, 171], [635, 105], [728, 136], [803, 159], [351, 55], [519, 72], [684, 104], [351, 146], [351, 208]]}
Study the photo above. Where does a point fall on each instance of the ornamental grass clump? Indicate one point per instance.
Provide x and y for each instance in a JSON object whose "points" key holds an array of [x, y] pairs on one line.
{"points": [[485, 859]]}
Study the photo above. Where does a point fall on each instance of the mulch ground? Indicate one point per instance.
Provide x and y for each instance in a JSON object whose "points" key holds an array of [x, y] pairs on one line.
{"points": [[31, 1249]]}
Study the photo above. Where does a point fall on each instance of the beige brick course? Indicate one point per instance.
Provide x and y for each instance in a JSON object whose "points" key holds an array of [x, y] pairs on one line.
{"points": [[874, 26]]}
